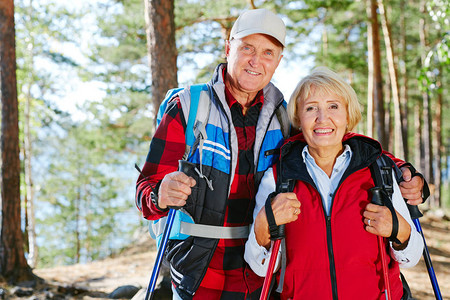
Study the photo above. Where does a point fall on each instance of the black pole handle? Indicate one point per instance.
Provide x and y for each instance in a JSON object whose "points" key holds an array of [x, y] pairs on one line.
{"points": [[414, 211], [186, 167], [376, 196], [276, 231], [281, 234], [284, 188]]}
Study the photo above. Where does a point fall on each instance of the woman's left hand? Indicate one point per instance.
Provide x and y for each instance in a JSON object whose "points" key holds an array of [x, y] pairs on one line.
{"points": [[378, 220]]}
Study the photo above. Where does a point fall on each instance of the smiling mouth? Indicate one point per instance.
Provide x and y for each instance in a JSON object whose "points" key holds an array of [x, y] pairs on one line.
{"points": [[323, 130], [251, 72]]}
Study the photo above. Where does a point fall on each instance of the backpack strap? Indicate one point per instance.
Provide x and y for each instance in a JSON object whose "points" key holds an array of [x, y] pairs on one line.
{"points": [[283, 118], [200, 107], [199, 98], [382, 174], [162, 107]]}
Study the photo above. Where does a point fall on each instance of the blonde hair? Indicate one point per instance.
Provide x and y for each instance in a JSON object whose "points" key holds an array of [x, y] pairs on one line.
{"points": [[324, 80]]}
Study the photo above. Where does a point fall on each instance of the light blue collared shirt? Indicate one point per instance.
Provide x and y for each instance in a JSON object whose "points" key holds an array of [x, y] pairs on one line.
{"points": [[327, 185]]}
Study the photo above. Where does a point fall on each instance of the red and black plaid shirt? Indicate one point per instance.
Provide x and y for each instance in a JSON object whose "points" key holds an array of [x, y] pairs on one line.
{"points": [[224, 278]]}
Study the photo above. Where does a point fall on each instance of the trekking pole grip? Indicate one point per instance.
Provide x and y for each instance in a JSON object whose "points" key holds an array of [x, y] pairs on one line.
{"points": [[187, 168], [281, 232], [376, 195], [414, 211], [276, 231]]}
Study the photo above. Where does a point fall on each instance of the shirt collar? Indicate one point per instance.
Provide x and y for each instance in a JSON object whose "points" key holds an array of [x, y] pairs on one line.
{"points": [[347, 152]]}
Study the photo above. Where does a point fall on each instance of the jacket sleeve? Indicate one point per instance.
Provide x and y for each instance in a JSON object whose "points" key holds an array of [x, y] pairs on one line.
{"points": [[409, 256], [400, 163], [166, 148], [397, 161]]}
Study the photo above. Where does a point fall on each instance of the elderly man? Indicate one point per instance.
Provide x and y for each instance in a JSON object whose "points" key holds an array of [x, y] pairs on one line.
{"points": [[243, 133]]}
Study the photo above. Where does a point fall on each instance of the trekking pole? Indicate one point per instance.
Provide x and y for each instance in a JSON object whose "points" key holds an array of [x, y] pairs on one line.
{"points": [[377, 199], [273, 258], [284, 188], [162, 246], [415, 215], [160, 254], [185, 167]]}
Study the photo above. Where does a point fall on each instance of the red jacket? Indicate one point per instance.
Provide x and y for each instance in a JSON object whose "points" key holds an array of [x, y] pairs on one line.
{"points": [[335, 255]]}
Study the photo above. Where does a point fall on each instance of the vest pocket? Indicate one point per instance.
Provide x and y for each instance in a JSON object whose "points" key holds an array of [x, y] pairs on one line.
{"points": [[206, 205], [195, 201]]}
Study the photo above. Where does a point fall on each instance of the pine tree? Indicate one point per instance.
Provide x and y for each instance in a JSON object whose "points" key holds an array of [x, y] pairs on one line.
{"points": [[13, 266]]}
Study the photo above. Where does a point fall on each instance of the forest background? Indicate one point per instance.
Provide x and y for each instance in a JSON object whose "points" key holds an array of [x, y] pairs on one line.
{"points": [[89, 75]]}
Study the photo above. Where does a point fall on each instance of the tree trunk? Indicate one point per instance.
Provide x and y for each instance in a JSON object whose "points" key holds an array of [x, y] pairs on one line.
{"points": [[31, 222], [418, 145], [78, 224], [404, 86], [370, 80], [13, 265], [438, 138], [426, 128], [388, 123], [162, 51], [377, 77], [398, 136]]}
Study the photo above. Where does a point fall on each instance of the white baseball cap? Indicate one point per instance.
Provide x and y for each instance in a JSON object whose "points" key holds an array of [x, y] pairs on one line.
{"points": [[259, 21]]}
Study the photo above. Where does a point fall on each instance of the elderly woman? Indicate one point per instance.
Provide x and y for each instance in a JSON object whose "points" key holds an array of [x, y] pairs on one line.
{"points": [[332, 228]]}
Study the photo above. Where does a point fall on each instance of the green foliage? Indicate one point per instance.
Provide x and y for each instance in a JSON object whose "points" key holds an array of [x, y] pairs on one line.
{"points": [[83, 196], [437, 59], [119, 59]]}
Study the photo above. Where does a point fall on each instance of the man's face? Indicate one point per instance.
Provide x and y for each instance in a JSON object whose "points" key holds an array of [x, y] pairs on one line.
{"points": [[252, 62]]}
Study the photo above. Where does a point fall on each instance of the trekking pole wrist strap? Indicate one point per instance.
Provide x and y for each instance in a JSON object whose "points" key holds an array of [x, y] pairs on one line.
{"points": [[394, 233], [154, 197], [380, 197], [276, 232], [411, 169], [401, 246]]}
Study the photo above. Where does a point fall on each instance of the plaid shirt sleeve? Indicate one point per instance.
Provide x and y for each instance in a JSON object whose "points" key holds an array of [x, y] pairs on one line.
{"points": [[166, 148]]}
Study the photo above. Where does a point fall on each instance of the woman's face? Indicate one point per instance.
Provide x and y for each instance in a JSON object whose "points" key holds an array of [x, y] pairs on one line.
{"points": [[323, 120]]}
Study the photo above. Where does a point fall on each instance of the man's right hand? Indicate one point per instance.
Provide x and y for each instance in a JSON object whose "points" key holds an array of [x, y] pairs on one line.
{"points": [[175, 189]]}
